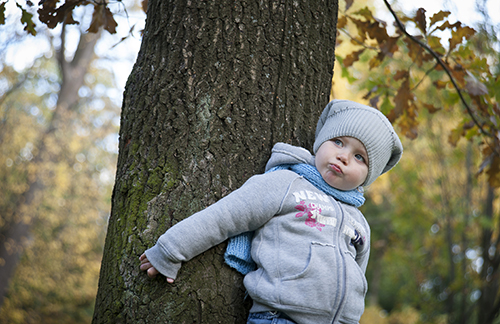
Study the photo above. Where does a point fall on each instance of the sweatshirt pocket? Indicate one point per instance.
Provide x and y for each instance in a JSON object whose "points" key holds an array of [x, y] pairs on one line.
{"points": [[355, 292], [316, 287]]}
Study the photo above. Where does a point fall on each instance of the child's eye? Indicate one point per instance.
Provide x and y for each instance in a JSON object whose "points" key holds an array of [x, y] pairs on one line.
{"points": [[338, 142], [360, 157]]}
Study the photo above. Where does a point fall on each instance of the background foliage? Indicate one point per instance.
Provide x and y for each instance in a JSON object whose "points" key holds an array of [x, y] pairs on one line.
{"points": [[55, 280], [69, 152], [435, 216]]}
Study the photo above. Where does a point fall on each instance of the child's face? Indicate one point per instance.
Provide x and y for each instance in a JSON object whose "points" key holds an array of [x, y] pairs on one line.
{"points": [[342, 162]]}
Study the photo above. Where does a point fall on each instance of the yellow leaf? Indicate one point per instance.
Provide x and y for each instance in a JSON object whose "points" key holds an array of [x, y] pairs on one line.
{"points": [[455, 135], [435, 43], [365, 12], [458, 34], [440, 84], [342, 22], [439, 16]]}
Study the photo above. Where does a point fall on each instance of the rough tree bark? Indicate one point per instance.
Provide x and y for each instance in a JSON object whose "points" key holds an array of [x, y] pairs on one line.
{"points": [[215, 85], [15, 232]]}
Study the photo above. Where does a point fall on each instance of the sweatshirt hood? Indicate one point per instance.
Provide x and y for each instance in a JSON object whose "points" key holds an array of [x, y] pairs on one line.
{"points": [[283, 153]]}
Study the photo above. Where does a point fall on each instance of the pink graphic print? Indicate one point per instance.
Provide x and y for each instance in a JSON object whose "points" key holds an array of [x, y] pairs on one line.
{"points": [[311, 211]]}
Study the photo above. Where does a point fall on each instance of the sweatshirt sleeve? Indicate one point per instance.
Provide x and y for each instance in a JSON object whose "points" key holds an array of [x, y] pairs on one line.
{"points": [[245, 209]]}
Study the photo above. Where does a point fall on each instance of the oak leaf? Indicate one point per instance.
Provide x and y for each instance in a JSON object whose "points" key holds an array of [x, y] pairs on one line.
{"points": [[389, 46], [51, 15], [408, 126], [402, 99], [459, 76], [378, 33], [2, 13], [447, 25], [364, 12], [404, 108], [431, 108], [27, 19], [458, 34], [376, 60], [416, 52], [342, 22], [440, 84], [102, 17], [438, 17], [361, 26], [435, 44], [455, 135], [420, 20], [352, 58], [401, 74]]}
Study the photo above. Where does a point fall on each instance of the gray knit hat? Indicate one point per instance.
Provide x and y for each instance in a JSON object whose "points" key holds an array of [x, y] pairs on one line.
{"points": [[368, 125]]}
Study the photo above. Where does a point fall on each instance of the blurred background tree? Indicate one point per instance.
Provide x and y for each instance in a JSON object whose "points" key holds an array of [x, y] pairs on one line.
{"points": [[59, 120]]}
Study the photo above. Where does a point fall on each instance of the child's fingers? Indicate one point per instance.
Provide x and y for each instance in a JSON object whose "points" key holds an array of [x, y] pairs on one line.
{"points": [[146, 266], [152, 272]]}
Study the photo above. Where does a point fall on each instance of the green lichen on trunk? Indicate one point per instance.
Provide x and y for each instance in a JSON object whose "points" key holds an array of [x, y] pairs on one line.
{"points": [[215, 85]]}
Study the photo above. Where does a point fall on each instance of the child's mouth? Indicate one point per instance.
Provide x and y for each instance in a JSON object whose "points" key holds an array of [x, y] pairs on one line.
{"points": [[336, 168]]}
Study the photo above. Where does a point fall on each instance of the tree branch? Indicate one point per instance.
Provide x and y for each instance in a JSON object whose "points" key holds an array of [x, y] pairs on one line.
{"points": [[357, 40], [5, 115], [441, 63], [423, 78]]}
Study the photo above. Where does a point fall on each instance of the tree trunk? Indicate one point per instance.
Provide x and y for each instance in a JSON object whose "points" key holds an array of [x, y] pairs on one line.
{"points": [[215, 85], [15, 232], [464, 310], [488, 302]]}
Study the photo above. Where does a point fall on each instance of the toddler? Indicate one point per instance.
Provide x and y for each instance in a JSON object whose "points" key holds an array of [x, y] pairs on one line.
{"points": [[309, 242]]}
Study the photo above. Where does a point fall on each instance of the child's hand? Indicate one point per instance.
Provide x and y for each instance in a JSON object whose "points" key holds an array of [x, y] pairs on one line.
{"points": [[150, 270]]}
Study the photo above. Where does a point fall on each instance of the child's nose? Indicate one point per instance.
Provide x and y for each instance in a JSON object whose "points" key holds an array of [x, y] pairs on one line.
{"points": [[342, 157]]}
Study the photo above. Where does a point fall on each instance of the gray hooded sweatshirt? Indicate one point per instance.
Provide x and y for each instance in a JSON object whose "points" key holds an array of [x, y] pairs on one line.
{"points": [[307, 264]]}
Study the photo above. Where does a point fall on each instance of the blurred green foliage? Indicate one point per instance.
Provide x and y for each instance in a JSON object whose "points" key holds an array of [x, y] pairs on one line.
{"points": [[56, 278]]}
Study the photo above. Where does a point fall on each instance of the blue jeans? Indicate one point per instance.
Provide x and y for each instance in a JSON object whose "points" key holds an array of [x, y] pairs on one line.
{"points": [[269, 318]]}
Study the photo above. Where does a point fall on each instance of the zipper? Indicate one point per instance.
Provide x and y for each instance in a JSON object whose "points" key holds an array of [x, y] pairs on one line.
{"points": [[342, 258]]}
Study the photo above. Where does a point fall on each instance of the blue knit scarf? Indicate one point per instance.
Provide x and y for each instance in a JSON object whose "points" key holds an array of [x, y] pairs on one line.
{"points": [[238, 253]]}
